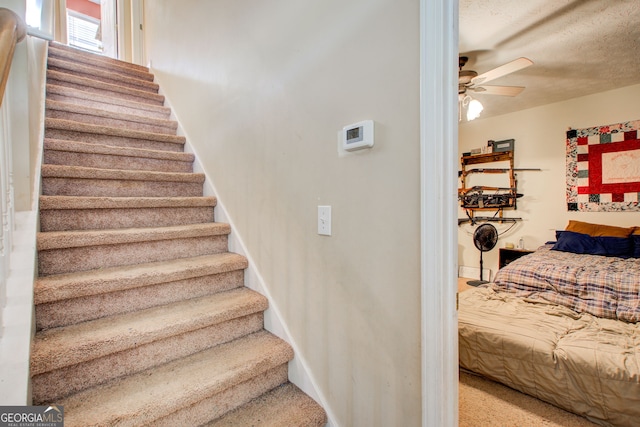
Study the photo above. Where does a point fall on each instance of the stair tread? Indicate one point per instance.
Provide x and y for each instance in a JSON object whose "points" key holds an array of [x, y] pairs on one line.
{"points": [[161, 391], [94, 148], [93, 282], [82, 172], [91, 96], [71, 125], [73, 344], [101, 113], [91, 70], [74, 239], [86, 202], [285, 405], [110, 87]]}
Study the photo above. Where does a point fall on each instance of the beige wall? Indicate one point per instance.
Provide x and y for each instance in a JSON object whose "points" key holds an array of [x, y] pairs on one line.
{"points": [[261, 90], [540, 137]]}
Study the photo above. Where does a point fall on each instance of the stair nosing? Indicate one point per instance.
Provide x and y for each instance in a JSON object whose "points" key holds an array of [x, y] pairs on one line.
{"points": [[106, 202], [74, 126], [79, 284], [97, 338], [115, 150], [82, 172], [51, 240], [236, 363]]}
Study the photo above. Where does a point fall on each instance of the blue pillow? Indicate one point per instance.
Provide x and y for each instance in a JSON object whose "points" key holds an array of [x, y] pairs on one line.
{"points": [[578, 243], [636, 245]]}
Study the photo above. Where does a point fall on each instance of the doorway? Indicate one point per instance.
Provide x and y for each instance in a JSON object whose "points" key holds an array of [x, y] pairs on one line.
{"points": [[91, 25]]}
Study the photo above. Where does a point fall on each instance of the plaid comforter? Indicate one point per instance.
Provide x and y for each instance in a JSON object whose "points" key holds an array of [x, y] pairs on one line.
{"points": [[605, 287]]}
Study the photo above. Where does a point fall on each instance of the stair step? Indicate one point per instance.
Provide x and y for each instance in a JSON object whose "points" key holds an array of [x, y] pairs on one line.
{"points": [[102, 88], [285, 405], [139, 340], [59, 180], [84, 114], [75, 285], [106, 103], [63, 299], [70, 345], [92, 58], [147, 397], [71, 153], [108, 135], [105, 63], [54, 385], [100, 75], [64, 213], [62, 252]]}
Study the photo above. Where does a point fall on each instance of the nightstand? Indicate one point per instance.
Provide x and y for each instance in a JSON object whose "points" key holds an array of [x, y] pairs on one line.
{"points": [[462, 284], [508, 255]]}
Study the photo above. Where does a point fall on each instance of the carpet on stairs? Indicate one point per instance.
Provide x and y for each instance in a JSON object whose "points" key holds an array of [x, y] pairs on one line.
{"points": [[141, 312]]}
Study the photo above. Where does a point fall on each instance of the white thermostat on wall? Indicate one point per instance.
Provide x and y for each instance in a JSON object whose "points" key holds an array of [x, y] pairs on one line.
{"points": [[358, 136]]}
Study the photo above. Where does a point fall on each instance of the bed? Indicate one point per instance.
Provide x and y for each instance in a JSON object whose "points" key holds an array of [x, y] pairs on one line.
{"points": [[562, 325]]}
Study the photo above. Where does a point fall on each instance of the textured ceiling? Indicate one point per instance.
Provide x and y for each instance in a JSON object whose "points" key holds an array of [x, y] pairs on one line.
{"points": [[578, 47]]}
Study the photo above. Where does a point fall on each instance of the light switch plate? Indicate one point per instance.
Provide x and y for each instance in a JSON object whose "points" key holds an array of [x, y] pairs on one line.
{"points": [[324, 220]]}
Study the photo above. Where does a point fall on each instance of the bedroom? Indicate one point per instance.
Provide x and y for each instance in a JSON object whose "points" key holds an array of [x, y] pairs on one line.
{"points": [[569, 85], [569, 43]]}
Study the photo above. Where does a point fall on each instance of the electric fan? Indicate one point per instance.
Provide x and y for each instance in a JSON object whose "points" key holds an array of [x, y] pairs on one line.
{"points": [[484, 238]]}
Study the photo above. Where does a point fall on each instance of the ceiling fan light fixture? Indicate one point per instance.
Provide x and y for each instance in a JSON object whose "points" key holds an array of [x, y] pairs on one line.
{"points": [[474, 109]]}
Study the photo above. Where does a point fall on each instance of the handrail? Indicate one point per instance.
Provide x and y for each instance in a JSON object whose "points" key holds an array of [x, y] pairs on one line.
{"points": [[12, 30]]}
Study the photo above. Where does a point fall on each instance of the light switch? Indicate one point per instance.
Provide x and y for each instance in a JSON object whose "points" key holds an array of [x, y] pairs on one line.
{"points": [[324, 220]]}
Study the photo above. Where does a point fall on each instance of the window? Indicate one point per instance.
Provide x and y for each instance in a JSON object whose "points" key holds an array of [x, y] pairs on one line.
{"points": [[83, 31]]}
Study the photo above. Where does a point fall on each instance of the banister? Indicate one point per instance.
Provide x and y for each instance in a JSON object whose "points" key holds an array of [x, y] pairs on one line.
{"points": [[12, 30]]}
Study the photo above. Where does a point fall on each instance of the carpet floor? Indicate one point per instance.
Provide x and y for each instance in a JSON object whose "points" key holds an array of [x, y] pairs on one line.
{"points": [[483, 402]]}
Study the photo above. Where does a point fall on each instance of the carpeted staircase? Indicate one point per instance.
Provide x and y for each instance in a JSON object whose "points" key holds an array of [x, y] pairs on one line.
{"points": [[141, 313]]}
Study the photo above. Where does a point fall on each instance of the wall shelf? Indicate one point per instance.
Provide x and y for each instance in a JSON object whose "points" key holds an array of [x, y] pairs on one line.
{"points": [[484, 198]]}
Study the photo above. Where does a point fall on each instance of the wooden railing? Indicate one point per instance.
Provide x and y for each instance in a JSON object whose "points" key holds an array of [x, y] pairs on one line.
{"points": [[12, 30]]}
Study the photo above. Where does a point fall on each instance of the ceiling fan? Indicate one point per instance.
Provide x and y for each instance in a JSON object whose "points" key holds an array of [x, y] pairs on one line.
{"points": [[469, 80]]}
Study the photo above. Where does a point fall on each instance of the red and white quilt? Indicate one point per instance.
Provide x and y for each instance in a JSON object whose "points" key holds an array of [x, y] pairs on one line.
{"points": [[603, 168]]}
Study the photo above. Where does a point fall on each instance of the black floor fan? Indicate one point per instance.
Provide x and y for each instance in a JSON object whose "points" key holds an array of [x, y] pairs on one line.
{"points": [[485, 238]]}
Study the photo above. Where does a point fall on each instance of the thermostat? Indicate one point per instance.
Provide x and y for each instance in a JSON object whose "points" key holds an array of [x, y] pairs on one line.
{"points": [[358, 136]]}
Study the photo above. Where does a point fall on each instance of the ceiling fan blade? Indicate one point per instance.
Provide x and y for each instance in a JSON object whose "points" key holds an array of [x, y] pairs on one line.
{"points": [[502, 70], [498, 90]]}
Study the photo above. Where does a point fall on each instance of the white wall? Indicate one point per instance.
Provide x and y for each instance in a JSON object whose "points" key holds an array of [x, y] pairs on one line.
{"points": [[540, 138], [25, 105], [261, 90]]}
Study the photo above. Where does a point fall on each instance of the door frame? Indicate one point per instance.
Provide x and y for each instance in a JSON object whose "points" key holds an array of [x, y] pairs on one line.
{"points": [[438, 213], [138, 55], [110, 19]]}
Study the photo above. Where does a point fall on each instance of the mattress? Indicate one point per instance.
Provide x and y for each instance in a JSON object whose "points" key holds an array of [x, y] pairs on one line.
{"points": [[582, 363]]}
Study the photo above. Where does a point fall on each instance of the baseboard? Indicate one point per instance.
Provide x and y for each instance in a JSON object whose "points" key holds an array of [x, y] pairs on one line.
{"points": [[474, 273]]}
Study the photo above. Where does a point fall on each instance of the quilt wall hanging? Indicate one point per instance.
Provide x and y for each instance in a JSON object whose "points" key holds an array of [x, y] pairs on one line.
{"points": [[603, 168]]}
